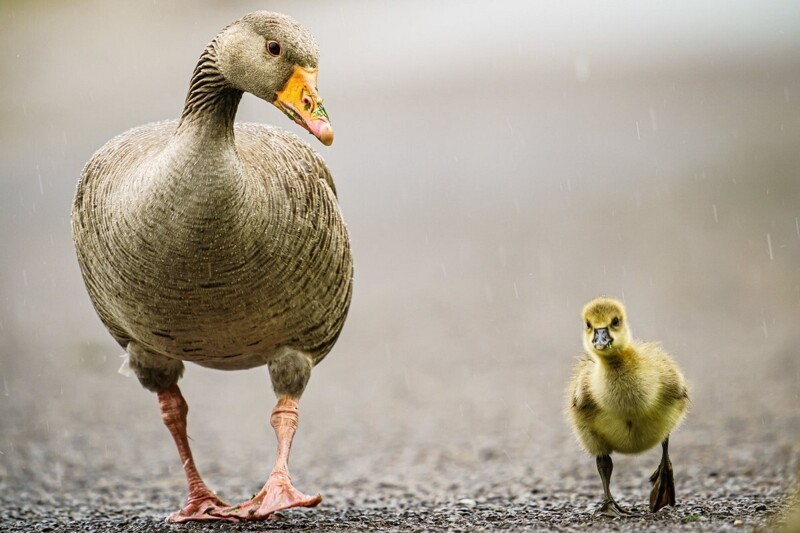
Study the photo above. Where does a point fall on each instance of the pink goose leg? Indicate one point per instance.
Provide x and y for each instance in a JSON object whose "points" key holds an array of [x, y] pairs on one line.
{"points": [[202, 502], [278, 493]]}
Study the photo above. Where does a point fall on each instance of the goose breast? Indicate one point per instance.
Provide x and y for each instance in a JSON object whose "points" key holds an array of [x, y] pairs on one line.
{"points": [[222, 272]]}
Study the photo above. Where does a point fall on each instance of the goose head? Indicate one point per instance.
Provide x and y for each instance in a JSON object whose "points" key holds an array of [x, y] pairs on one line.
{"points": [[605, 327], [274, 58]]}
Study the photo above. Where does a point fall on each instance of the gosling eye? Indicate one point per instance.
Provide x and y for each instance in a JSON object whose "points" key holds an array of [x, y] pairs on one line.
{"points": [[274, 48], [588, 325], [615, 322]]}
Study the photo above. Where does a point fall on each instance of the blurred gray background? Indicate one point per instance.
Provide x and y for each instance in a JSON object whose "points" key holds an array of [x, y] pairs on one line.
{"points": [[498, 165]]}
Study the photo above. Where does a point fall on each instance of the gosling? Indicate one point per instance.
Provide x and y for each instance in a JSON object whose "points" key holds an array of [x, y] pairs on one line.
{"points": [[625, 396]]}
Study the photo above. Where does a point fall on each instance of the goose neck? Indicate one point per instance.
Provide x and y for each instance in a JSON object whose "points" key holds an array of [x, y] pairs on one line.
{"points": [[211, 103]]}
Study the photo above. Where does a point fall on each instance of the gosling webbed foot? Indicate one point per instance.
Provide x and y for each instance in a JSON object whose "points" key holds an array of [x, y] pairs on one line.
{"points": [[611, 509], [663, 492]]}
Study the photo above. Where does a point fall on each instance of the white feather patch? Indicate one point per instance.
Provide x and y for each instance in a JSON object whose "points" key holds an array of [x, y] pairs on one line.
{"points": [[126, 369]]}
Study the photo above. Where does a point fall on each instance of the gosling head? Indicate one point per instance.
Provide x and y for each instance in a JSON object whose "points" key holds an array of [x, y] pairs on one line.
{"points": [[605, 327], [274, 58]]}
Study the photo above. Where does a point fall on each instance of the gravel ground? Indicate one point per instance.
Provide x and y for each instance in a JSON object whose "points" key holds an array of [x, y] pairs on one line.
{"points": [[114, 469], [717, 502]]}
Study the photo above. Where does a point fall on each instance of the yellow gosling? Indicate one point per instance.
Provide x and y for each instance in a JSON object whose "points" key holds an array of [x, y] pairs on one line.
{"points": [[625, 396]]}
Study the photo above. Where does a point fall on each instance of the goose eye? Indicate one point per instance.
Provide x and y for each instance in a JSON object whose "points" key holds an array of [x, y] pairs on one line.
{"points": [[615, 322], [588, 325], [274, 48]]}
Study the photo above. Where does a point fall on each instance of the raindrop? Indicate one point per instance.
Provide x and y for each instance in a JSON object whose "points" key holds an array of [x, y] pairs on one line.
{"points": [[516, 291], [797, 226], [5, 386], [714, 207], [638, 133], [653, 119], [39, 175], [769, 247], [764, 329]]}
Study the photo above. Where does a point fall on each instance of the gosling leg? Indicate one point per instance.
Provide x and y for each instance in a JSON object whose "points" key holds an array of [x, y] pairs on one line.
{"points": [[609, 507], [663, 492]]}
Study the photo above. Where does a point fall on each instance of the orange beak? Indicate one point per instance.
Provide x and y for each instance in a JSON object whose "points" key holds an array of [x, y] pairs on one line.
{"points": [[301, 103]]}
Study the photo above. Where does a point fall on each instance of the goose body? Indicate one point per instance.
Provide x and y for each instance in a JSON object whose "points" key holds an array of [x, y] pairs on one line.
{"points": [[221, 259], [222, 244], [625, 396]]}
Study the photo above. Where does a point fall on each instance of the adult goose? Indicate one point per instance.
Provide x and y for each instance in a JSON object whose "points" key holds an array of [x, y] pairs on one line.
{"points": [[222, 244]]}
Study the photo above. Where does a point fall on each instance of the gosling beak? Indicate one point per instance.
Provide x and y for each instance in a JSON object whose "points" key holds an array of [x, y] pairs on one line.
{"points": [[301, 103], [601, 339]]}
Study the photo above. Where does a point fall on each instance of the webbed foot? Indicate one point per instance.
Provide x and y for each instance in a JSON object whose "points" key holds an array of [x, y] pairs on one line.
{"points": [[200, 508], [278, 494], [663, 492], [611, 509]]}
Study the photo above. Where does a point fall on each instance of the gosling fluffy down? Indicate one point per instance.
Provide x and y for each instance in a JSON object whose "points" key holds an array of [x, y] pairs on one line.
{"points": [[625, 395]]}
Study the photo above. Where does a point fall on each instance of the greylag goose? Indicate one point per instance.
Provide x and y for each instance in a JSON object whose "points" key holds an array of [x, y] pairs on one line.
{"points": [[222, 244], [625, 396]]}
